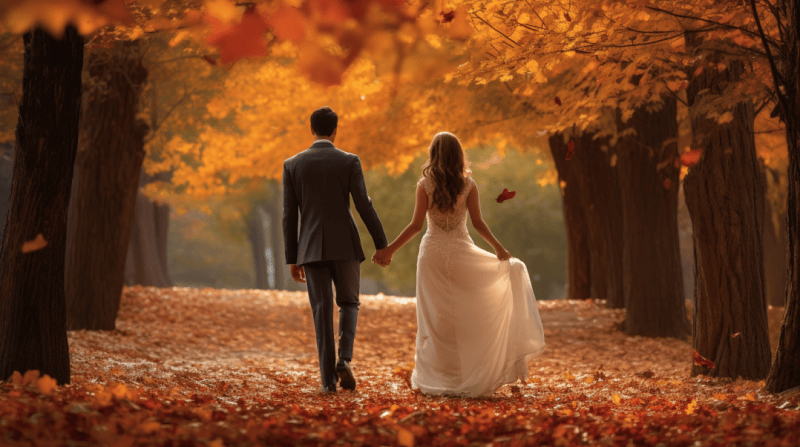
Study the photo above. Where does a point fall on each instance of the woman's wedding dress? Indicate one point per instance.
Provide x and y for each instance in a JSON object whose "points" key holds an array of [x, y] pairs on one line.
{"points": [[477, 320]]}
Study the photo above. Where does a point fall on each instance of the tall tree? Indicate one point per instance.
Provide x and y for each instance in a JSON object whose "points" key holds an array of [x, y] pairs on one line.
{"points": [[579, 260], [785, 372], [725, 197], [146, 255], [654, 300], [105, 186], [32, 308]]}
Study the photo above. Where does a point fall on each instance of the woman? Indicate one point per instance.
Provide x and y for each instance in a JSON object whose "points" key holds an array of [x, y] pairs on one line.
{"points": [[477, 321]]}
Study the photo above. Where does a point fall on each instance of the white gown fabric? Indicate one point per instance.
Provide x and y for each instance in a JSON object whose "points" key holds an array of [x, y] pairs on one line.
{"points": [[477, 320]]}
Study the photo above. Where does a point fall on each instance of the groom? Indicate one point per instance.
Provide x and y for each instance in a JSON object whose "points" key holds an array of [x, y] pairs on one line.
{"points": [[319, 182]]}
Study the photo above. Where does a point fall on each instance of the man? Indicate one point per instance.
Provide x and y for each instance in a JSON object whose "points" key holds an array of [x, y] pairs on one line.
{"points": [[319, 182]]}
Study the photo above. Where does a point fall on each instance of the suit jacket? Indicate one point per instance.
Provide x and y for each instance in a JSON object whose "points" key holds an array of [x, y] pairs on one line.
{"points": [[319, 182]]}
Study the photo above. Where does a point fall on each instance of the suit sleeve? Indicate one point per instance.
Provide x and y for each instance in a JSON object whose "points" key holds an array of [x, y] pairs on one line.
{"points": [[289, 217], [364, 205]]}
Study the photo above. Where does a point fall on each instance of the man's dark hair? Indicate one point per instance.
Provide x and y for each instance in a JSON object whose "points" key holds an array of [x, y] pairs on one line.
{"points": [[324, 121]]}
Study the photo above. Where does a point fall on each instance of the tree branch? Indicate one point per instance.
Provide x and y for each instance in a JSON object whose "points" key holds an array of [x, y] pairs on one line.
{"points": [[779, 82]]}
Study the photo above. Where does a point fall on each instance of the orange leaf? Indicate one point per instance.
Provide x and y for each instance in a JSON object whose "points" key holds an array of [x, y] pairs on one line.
{"points": [[289, 23], [244, 39], [699, 360], [30, 376], [691, 158], [46, 385], [405, 438], [36, 244]]}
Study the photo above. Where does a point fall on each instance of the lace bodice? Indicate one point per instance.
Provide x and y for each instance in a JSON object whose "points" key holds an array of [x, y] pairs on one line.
{"points": [[450, 222]]}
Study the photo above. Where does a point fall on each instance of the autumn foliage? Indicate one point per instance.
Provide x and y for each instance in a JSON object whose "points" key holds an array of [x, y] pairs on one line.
{"points": [[239, 368]]}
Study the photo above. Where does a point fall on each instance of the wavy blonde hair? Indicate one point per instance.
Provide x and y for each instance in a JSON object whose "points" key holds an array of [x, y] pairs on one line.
{"points": [[447, 169]]}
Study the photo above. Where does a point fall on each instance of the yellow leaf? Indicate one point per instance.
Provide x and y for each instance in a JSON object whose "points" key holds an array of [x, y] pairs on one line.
{"points": [[405, 438], [36, 244], [616, 399], [691, 407], [224, 10], [46, 385]]}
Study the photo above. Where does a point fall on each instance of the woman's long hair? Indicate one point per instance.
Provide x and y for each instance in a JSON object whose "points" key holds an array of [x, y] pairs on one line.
{"points": [[447, 168]]}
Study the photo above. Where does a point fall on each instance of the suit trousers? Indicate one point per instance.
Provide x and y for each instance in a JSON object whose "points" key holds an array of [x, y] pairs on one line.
{"points": [[346, 277]]}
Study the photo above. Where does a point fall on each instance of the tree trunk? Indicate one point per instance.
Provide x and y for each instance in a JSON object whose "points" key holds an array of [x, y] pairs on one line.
{"points": [[785, 372], [32, 308], [774, 252], [579, 265], [105, 187], [651, 261], [725, 196], [146, 261], [598, 175], [259, 224]]}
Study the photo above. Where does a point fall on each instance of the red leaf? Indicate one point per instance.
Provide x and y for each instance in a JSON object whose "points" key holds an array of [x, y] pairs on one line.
{"points": [[667, 183], [699, 360], [567, 17], [241, 40], [570, 149], [289, 23], [448, 17], [505, 195], [691, 157], [558, 100]]}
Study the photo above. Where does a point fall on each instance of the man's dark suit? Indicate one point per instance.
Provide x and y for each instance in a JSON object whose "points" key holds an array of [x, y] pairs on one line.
{"points": [[319, 182]]}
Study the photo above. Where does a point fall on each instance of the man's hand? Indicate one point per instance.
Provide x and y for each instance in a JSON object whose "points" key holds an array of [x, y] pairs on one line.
{"points": [[382, 257], [298, 273]]}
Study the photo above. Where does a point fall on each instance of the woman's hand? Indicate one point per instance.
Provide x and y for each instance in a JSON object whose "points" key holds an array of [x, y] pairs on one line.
{"points": [[502, 253]]}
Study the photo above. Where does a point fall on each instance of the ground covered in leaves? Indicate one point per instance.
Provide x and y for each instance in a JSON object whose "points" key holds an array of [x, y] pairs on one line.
{"points": [[235, 368]]}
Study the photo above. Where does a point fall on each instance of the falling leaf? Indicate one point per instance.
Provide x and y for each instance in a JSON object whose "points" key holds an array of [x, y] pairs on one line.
{"points": [[405, 438], [241, 40], [505, 195], [557, 100], [691, 158], [570, 149], [736, 335], [447, 17], [699, 360], [46, 385], [36, 244]]}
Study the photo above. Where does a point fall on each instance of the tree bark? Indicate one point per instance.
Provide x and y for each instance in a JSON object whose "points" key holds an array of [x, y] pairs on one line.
{"points": [[774, 252], [598, 175], [785, 371], [651, 262], [259, 223], [32, 308], [579, 261], [146, 261], [725, 196], [105, 186]]}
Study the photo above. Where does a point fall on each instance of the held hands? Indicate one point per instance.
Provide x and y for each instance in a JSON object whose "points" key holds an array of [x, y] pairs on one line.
{"points": [[382, 257], [298, 273], [502, 253]]}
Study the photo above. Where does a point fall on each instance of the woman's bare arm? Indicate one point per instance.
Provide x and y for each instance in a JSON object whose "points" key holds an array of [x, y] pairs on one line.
{"points": [[411, 230], [474, 206]]}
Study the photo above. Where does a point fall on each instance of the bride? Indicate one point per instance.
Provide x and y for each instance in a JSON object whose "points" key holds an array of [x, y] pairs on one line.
{"points": [[477, 320]]}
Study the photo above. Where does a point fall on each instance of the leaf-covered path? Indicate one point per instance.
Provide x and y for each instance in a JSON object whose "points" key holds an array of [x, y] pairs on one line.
{"points": [[216, 367]]}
